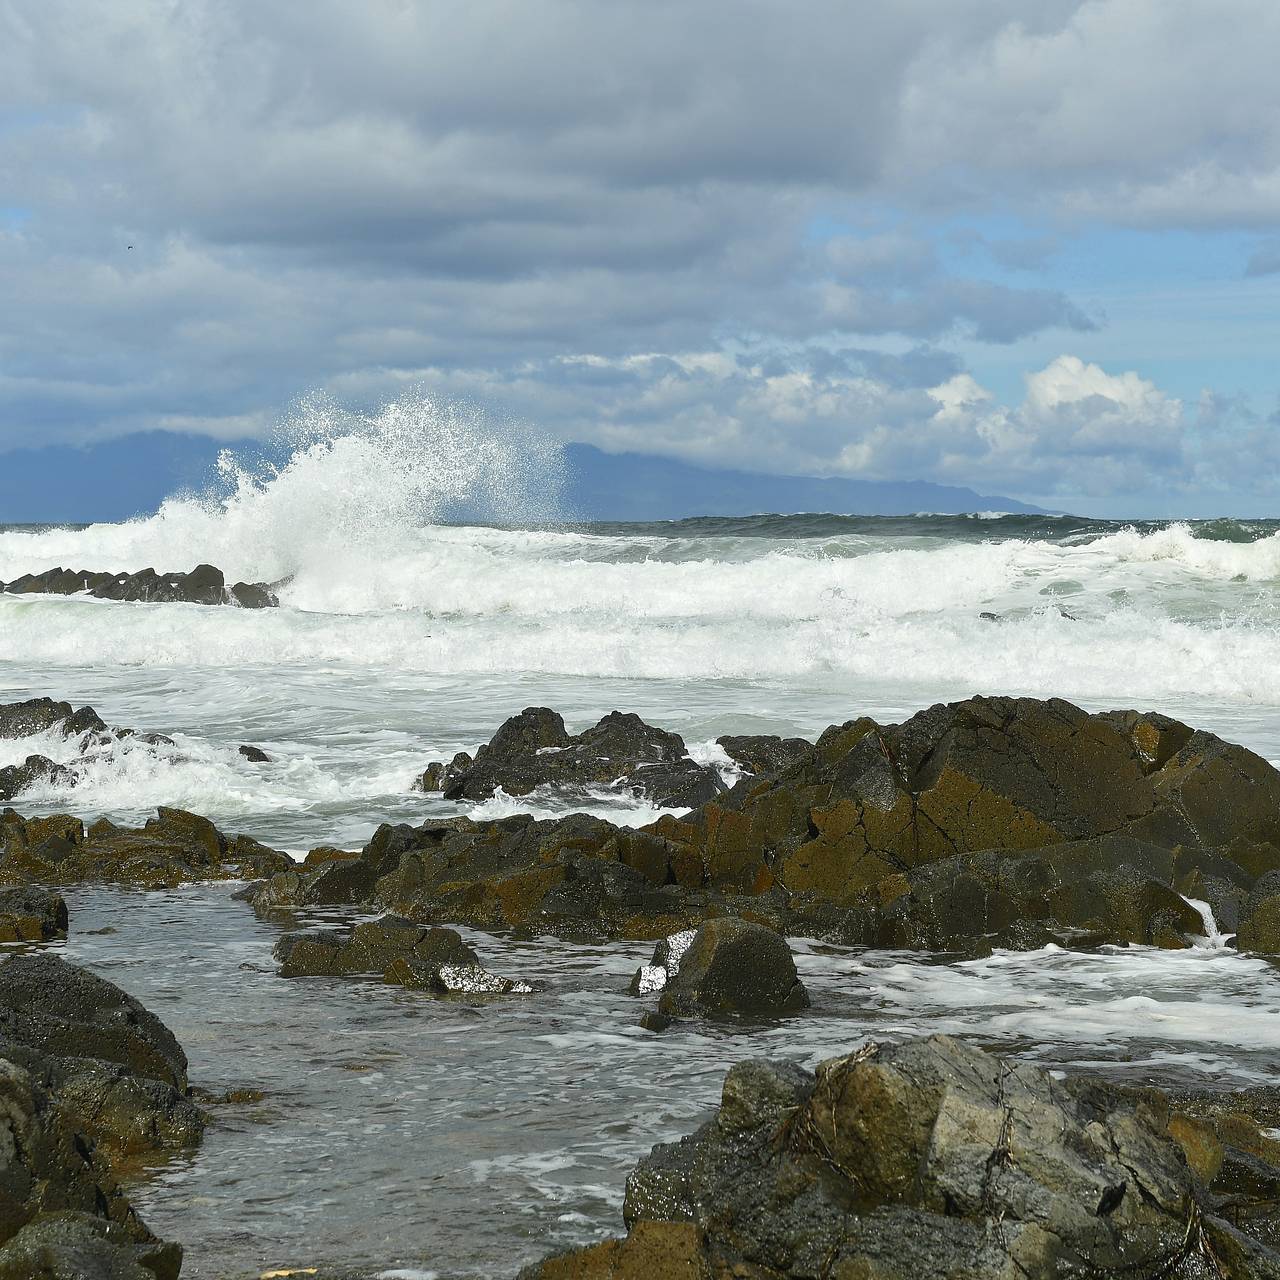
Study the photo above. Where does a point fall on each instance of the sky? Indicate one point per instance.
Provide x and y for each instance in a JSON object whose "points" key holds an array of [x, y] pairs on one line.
{"points": [[1031, 247]]}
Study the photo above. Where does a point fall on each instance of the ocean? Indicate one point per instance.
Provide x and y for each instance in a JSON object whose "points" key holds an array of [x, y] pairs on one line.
{"points": [[404, 636]]}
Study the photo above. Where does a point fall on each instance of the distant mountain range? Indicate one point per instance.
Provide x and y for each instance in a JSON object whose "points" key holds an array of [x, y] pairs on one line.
{"points": [[640, 486], [134, 474]]}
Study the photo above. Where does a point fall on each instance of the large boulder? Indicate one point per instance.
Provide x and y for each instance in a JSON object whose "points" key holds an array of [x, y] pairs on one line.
{"points": [[110, 1062], [734, 967], [534, 749], [931, 1160]]}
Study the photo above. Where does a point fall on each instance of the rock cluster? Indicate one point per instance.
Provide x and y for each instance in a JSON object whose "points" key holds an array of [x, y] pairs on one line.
{"points": [[433, 960], [173, 848], [88, 1077], [534, 749], [205, 584], [993, 822], [931, 1160]]}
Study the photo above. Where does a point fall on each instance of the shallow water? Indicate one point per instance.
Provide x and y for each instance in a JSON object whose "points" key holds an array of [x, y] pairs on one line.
{"points": [[402, 1131]]}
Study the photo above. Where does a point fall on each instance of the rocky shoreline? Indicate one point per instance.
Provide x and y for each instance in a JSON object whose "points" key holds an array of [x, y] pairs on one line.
{"points": [[205, 584], [989, 823]]}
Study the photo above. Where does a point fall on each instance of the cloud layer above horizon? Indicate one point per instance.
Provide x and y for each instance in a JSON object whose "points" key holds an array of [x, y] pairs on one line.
{"points": [[1023, 247]]}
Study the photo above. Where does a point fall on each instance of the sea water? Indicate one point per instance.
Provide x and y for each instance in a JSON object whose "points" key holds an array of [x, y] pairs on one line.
{"points": [[402, 1133]]}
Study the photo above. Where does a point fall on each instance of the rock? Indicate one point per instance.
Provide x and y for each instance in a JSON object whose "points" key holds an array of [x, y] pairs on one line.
{"points": [[734, 967], [931, 1160], [653, 1251], [534, 750], [35, 715], [78, 1246], [109, 1061], [664, 965], [404, 953], [205, 584], [32, 914], [16, 778], [255, 755], [173, 848], [53, 1188], [1259, 926], [762, 754]]}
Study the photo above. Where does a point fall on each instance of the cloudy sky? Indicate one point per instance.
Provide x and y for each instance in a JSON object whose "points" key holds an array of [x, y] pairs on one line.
{"points": [[1032, 246]]}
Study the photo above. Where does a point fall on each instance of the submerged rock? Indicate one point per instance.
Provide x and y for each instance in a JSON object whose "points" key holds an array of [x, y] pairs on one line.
{"points": [[534, 749], [205, 584], [931, 1160], [173, 848]]}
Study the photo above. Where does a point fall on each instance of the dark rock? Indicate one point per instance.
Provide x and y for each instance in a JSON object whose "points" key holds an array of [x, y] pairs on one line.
{"points": [[930, 1160], [32, 914], [255, 755], [175, 847], [111, 1064], [404, 953], [734, 967], [761, 754], [16, 778], [534, 750], [36, 715], [1259, 927], [205, 584], [49, 1171]]}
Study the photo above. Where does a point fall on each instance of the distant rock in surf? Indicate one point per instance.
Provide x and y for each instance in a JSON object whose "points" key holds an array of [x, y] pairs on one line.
{"points": [[205, 584], [534, 749]]}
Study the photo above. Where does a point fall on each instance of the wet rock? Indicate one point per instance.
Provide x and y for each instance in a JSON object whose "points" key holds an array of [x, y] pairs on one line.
{"points": [[402, 952], [173, 848], [534, 749], [734, 967], [664, 965], [932, 1160], [1259, 926], [114, 1066], [205, 584], [763, 754], [32, 914], [255, 755], [653, 1251], [54, 1187]]}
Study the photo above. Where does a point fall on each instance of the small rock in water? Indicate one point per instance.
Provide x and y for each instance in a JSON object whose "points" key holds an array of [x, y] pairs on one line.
{"points": [[255, 755], [665, 964]]}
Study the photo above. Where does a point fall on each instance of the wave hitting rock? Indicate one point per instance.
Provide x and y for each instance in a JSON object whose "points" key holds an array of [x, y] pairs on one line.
{"points": [[205, 584]]}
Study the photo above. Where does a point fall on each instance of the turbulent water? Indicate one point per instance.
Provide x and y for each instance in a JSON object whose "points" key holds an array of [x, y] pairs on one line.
{"points": [[403, 638]]}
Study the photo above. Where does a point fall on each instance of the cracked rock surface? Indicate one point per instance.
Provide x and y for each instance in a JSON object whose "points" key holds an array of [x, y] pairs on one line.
{"points": [[931, 1160]]}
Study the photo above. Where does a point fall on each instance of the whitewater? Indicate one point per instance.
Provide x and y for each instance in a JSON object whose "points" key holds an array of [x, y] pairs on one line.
{"points": [[432, 582]]}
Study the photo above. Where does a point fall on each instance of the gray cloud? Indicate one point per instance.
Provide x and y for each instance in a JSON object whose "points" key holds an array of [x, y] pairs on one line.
{"points": [[515, 201]]}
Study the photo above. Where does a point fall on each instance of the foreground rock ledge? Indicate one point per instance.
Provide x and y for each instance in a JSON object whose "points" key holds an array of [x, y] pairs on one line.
{"points": [[932, 1160]]}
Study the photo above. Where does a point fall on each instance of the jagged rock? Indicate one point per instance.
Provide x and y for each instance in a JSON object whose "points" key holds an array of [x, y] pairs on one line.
{"points": [[16, 778], [173, 848], [734, 967], [931, 1160], [763, 754], [32, 914], [534, 749], [404, 953], [51, 1180], [205, 584]]}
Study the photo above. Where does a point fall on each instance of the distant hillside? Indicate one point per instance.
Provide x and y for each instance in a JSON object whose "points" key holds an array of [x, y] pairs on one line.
{"points": [[134, 474], [638, 486]]}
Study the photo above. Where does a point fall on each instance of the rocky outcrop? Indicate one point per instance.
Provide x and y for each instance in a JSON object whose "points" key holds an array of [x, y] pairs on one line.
{"points": [[932, 1160], [401, 952], [763, 754], [534, 749], [993, 822], [205, 584], [109, 1062], [173, 848], [62, 1214]]}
